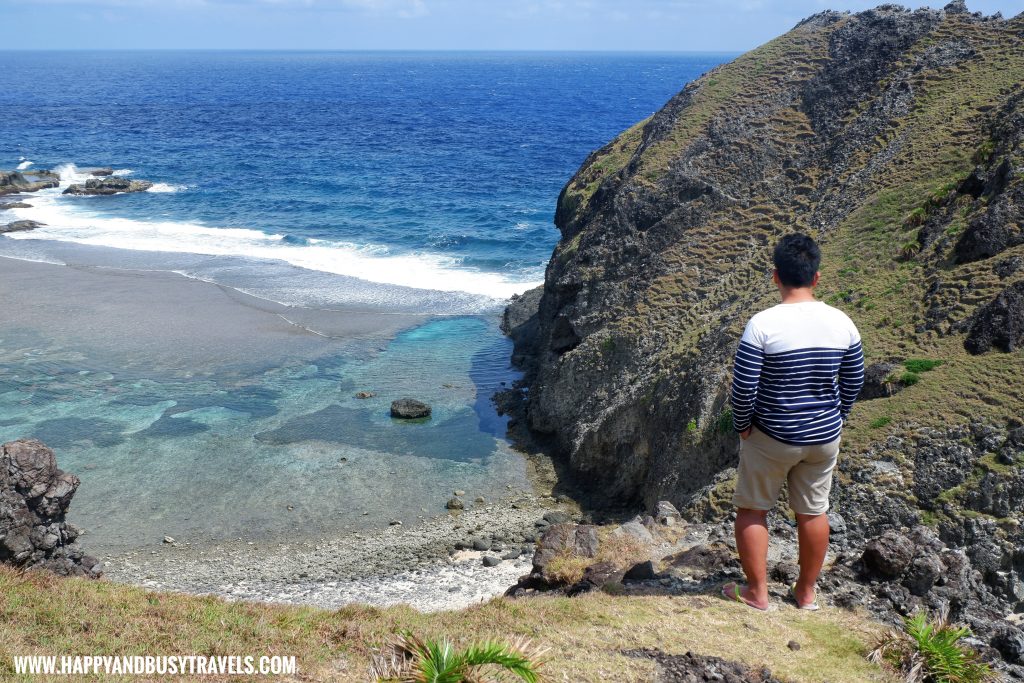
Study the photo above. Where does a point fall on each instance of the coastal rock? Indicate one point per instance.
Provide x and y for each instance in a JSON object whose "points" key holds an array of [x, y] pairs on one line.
{"points": [[107, 186], [34, 498], [20, 226], [13, 182], [409, 409], [455, 503], [101, 172], [14, 205], [576, 540], [365, 394]]}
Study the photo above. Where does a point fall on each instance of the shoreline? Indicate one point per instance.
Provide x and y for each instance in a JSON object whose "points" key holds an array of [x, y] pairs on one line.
{"points": [[431, 566], [191, 326]]}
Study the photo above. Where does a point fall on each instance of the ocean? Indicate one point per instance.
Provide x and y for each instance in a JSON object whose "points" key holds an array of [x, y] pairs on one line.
{"points": [[416, 184]]}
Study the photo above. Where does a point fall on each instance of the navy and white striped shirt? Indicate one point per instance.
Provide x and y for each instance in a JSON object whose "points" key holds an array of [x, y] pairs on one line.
{"points": [[798, 371]]}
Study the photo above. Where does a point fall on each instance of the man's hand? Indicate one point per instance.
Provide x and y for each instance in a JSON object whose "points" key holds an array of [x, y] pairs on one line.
{"points": [[745, 434]]}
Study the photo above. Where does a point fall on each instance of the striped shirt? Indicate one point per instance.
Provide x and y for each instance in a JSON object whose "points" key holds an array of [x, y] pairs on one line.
{"points": [[798, 370]]}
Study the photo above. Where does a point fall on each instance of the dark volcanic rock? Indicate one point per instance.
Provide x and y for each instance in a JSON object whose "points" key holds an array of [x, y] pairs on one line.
{"points": [[14, 205], [34, 498], [999, 323], [519, 321], [878, 382], [693, 668], [19, 226], [101, 172], [641, 571], [105, 186], [409, 409], [13, 182], [889, 555]]}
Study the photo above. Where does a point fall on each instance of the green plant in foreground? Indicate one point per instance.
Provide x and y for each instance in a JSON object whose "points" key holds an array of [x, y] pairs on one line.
{"points": [[929, 651], [879, 422], [910, 378], [691, 426], [413, 660]]}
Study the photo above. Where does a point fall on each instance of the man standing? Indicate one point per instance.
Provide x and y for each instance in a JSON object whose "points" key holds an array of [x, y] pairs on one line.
{"points": [[798, 370]]}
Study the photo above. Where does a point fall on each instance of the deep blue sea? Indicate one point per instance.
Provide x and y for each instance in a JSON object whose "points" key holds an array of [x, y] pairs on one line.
{"points": [[393, 182]]}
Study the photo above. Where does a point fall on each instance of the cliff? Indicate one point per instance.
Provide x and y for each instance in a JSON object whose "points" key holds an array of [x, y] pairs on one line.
{"points": [[895, 138]]}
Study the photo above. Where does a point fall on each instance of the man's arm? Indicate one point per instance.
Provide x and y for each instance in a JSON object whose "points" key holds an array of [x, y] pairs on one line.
{"points": [[851, 378], [746, 374]]}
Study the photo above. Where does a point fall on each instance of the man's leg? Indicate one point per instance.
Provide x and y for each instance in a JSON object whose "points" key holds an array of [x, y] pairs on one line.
{"points": [[752, 545], [812, 531]]}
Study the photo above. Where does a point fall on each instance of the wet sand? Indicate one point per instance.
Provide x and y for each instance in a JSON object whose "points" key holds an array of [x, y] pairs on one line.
{"points": [[171, 321]]}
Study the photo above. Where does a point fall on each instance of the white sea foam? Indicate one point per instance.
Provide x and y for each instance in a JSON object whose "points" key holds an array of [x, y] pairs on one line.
{"points": [[167, 187], [25, 163], [123, 171], [73, 222]]}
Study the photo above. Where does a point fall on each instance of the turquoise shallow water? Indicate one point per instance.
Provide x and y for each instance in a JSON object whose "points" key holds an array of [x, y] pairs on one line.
{"points": [[222, 456]]}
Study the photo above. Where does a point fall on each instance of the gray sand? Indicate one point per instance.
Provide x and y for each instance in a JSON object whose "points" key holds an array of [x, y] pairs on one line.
{"points": [[170, 320]]}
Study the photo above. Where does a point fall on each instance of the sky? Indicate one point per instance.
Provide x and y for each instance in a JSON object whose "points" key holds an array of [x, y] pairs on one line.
{"points": [[602, 25]]}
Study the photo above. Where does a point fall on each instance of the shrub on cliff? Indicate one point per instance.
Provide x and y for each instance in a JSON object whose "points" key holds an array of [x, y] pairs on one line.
{"points": [[929, 651]]}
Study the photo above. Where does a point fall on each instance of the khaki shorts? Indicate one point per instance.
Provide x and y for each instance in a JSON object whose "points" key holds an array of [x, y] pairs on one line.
{"points": [[765, 464]]}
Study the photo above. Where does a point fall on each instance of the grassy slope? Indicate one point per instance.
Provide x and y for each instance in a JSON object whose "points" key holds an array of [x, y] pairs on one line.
{"points": [[936, 144], [41, 614]]}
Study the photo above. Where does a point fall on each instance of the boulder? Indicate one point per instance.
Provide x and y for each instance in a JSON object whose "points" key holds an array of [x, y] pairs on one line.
{"points": [[706, 558], [557, 517], [636, 530], [21, 226], [364, 394], [666, 514], [455, 503], [999, 323], [106, 186], [562, 539], [641, 571], [101, 172], [15, 205], [409, 409], [877, 383], [888, 556], [34, 499], [1010, 643]]}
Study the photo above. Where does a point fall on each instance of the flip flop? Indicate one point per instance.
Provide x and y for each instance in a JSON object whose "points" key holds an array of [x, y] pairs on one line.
{"points": [[810, 607], [736, 595]]}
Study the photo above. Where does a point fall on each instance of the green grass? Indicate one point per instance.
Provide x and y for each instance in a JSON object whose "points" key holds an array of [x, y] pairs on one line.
{"points": [[585, 636], [880, 422], [910, 378], [919, 365]]}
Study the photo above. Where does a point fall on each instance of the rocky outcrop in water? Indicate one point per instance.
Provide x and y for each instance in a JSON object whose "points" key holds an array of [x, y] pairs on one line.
{"points": [[34, 500], [14, 182], [409, 409], [20, 226], [107, 186]]}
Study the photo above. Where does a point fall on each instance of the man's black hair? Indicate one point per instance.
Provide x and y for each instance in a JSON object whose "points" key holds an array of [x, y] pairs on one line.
{"points": [[797, 258]]}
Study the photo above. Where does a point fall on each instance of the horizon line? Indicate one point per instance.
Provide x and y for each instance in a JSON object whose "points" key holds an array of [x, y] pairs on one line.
{"points": [[370, 50]]}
